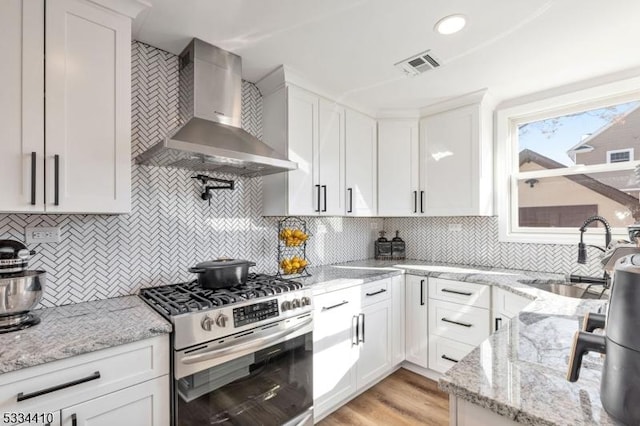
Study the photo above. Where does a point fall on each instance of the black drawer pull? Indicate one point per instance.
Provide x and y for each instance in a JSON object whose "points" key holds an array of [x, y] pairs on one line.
{"points": [[415, 201], [498, 323], [421, 292], [33, 178], [461, 293], [462, 324], [449, 359], [324, 188], [74, 420], [350, 200], [324, 308], [318, 198], [56, 180], [421, 201], [382, 290], [22, 396]]}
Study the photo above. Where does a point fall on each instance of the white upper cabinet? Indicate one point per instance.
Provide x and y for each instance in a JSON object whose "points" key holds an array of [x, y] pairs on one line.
{"points": [[457, 170], [361, 165], [309, 130], [303, 142], [88, 108], [22, 105], [80, 132], [398, 168], [330, 159]]}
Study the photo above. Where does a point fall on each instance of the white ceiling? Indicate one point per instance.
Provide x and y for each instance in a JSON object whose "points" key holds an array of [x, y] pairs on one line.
{"points": [[348, 47]]}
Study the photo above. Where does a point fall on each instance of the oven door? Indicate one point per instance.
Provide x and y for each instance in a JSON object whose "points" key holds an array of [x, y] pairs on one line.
{"points": [[261, 377]]}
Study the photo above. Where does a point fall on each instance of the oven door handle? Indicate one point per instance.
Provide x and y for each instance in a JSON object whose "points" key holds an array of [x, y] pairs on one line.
{"points": [[253, 344]]}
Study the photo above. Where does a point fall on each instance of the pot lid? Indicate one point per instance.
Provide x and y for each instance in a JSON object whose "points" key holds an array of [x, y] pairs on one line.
{"points": [[223, 263]]}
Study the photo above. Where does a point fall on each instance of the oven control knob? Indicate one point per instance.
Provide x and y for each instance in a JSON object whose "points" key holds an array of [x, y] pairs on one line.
{"points": [[286, 306], [296, 303], [306, 301], [207, 323], [221, 320]]}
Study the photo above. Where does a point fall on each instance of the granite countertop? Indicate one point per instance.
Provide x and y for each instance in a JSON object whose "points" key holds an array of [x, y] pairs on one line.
{"points": [[518, 372], [71, 330]]}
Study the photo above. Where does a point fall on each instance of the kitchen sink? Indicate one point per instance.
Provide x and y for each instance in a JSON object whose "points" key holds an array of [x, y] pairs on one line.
{"points": [[572, 290]]}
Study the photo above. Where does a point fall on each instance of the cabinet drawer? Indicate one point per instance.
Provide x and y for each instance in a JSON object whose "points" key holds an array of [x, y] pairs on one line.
{"points": [[374, 292], [334, 312], [445, 353], [462, 323], [460, 292], [74, 380]]}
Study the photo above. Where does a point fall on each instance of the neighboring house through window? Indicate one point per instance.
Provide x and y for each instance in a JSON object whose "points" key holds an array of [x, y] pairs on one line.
{"points": [[562, 160]]}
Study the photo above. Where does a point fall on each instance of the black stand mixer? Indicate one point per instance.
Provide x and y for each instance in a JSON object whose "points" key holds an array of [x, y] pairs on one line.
{"points": [[620, 384]]}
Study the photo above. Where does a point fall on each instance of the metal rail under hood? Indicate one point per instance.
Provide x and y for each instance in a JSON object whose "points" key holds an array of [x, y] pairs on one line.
{"points": [[210, 138]]}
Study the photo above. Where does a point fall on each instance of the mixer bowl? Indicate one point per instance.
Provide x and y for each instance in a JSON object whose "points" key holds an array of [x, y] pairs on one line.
{"points": [[20, 293]]}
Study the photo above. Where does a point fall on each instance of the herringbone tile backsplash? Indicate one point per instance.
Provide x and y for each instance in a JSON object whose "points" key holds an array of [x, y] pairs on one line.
{"points": [[477, 243], [170, 228]]}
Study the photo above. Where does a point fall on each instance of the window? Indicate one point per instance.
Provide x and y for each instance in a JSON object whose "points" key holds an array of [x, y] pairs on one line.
{"points": [[564, 159], [620, 155]]}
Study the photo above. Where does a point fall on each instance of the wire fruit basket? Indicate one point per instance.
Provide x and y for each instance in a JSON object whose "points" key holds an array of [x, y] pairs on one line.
{"points": [[292, 248]]}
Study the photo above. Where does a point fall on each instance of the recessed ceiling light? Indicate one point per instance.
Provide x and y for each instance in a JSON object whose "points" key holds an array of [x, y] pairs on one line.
{"points": [[450, 24]]}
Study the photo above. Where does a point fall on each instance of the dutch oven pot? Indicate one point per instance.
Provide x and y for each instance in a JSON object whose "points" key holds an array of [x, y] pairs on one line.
{"points": [[222, 273], [14, 256]]}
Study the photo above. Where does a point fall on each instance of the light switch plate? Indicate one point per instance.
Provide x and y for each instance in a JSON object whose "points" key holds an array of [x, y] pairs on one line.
{"points": [[42, 234]]}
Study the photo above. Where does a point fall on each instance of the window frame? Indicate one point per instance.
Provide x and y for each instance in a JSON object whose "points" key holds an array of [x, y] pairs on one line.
{"points": [[564, 101], [618, 151]]}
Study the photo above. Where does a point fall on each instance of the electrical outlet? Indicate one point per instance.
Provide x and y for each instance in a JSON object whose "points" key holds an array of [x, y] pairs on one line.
{"points": [[455, 227], [42, 234]]}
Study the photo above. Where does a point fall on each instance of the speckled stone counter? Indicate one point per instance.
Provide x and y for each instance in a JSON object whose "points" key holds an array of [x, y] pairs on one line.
{"points": [[519, 372], [71, 330]]}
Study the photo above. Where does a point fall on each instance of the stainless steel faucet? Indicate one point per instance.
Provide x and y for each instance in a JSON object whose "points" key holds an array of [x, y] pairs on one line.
{"points": [[582, 247]]}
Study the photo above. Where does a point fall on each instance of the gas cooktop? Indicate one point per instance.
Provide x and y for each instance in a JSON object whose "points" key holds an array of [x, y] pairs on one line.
{"points": [[187, 297], [201, 315]]}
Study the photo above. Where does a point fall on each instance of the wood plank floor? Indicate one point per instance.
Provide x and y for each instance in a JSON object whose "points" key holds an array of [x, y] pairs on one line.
{"points": [[404, 398]]}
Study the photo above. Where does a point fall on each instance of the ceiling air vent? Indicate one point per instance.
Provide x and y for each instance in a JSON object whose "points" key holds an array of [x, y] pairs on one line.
{"points": [[419, 63]]}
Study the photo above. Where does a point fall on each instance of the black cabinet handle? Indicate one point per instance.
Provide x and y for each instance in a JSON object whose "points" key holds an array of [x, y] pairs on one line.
{"points": [[350, 200], [421, 201], [56, 180], [462, 324], [22, 396], [324, 188], [498, 324], [318, 198], [324, 308], [33, 178], [421, 292], [355, 330], [382, 290], [415, 201], [362, 332], [449, 359], [74, 420], [461, 293]]}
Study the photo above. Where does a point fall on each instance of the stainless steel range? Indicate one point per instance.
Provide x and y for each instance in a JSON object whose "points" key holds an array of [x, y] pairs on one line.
{"points": [[241, 355]]}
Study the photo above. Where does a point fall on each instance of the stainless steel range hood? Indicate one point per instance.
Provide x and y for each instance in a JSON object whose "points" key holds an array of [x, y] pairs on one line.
{"points": [[210, 138]]}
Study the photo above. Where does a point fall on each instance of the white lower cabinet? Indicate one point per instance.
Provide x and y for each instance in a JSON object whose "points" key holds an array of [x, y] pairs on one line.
{"points": [[352, 343], [416, 320], [126, 384], [506, 305], [398, 291], [445, 353], [141, 405]]}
